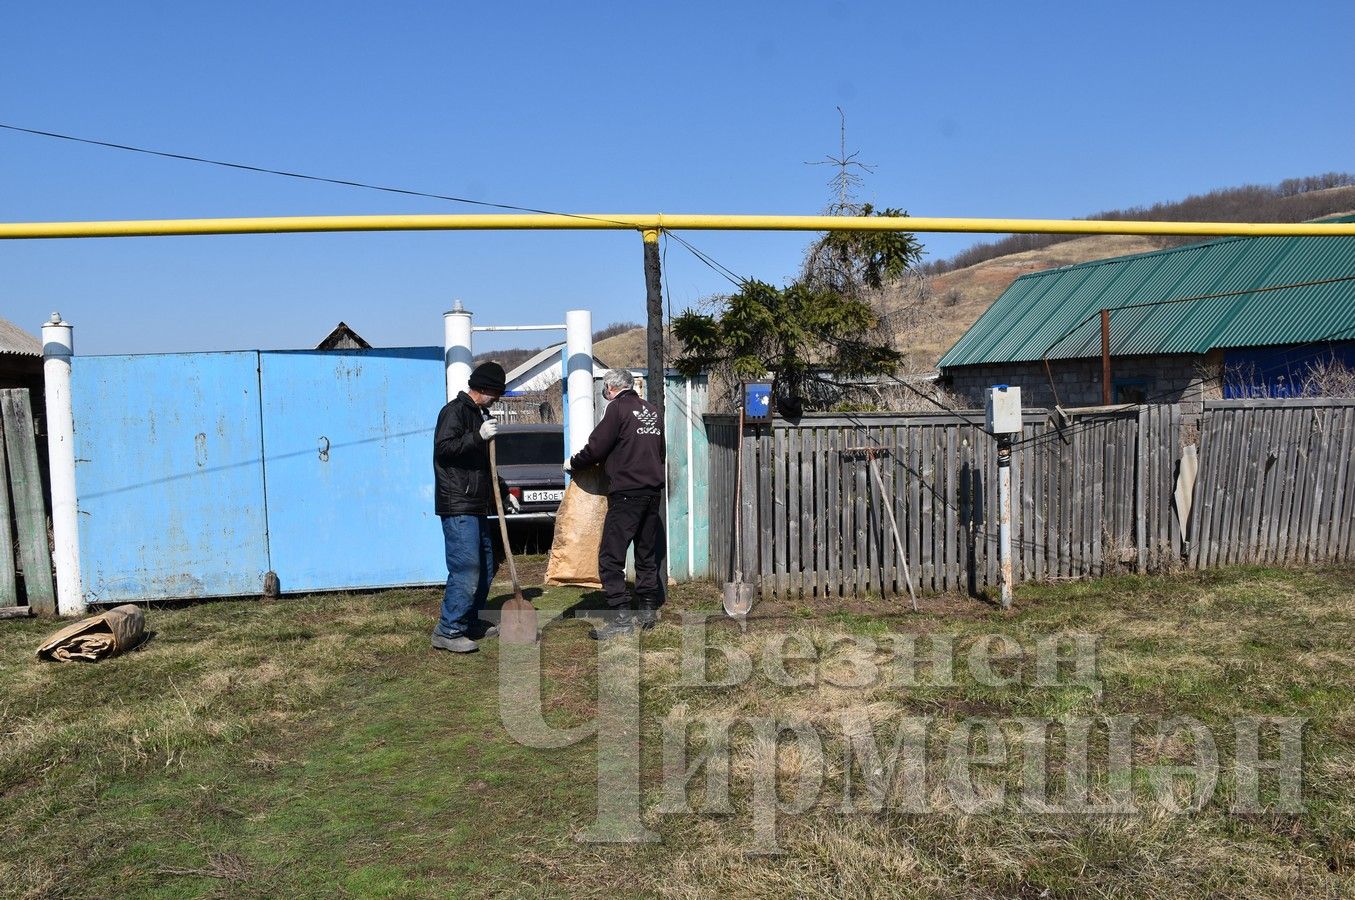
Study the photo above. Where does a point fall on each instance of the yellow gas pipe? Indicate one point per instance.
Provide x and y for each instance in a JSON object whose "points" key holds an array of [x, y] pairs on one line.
{"points": [[652, 224]]}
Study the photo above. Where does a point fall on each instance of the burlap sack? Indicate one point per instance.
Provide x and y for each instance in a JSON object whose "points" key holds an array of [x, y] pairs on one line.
{"points": [[578, 531], [97, 637]]}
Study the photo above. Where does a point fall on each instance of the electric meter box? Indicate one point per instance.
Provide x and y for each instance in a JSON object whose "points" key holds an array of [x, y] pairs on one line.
{"points": [[757, 401], [1003, 408]]}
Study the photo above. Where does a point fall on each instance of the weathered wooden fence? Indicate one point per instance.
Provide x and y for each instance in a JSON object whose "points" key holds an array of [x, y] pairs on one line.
{"points": [[1090, 496], [25, 557], [1276, 483]]}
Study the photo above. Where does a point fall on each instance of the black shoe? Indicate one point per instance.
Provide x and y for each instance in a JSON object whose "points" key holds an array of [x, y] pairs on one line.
{"points": [[623, 622], [648, 614], [481, 629]]}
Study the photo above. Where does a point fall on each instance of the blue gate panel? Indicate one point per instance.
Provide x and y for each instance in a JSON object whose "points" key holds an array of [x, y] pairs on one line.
{"points": [[168, 476], [348, 444]]}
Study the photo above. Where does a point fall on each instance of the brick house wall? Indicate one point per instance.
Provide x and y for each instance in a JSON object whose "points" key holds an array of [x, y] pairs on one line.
{"points": [[1176, 378]]}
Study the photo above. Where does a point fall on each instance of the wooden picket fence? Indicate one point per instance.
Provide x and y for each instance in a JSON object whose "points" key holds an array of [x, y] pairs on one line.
{"points": [[1089, 497]]}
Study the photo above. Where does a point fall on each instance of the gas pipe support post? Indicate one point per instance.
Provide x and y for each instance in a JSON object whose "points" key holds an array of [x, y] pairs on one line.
{"points": [[654, 386], [457, 355], [58, 346], [579, 377]]}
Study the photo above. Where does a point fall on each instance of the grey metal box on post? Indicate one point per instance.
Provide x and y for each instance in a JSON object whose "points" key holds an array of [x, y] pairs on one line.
{"points": [[1002, 409], [1002, 418]]}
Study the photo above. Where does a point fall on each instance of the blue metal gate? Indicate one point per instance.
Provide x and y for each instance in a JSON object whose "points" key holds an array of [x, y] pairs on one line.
{"points": [[348, 441], [197, 473], [170, 488]]}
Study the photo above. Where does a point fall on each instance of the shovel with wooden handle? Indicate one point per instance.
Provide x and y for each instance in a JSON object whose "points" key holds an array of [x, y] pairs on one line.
{"points": [[518, 625]]}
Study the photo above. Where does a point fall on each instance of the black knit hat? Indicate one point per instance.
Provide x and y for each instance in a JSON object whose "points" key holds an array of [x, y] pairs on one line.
{"points": [[488, 378]]}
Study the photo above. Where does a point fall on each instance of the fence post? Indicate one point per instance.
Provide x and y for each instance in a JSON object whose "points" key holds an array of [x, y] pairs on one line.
{"points": [[58, 346], [1141, 437], [1004, 517]]}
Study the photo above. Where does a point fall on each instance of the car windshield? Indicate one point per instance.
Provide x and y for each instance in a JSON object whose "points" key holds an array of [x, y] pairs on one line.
{"points": [[531, 448]]}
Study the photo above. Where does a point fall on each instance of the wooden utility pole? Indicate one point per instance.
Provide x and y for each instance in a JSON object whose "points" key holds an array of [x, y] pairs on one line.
{"points": [[654, 319], [1105, 357]]}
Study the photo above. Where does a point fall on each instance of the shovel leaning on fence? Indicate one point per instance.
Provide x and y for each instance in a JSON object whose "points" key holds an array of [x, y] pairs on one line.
{"points": [[871, 454]]}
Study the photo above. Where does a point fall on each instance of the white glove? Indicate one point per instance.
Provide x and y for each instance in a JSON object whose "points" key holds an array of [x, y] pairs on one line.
{"points": [[488, 430], [568, 466]]}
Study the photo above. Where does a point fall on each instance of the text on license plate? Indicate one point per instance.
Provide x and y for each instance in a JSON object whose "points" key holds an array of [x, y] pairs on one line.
{"points": [[542, 496]]}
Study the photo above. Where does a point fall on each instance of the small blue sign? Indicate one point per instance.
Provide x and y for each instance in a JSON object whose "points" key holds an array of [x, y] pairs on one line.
{"points": [[757, 401]]}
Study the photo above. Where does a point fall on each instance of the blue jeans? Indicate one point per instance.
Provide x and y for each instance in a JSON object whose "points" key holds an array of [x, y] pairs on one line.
{"points": [[470, 569]]}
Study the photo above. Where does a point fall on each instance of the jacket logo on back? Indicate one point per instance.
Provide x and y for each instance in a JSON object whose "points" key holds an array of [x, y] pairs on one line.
{"points": [[648, 421]]}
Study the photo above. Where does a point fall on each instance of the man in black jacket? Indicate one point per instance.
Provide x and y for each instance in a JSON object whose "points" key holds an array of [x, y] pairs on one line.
{"points": [[629, 441], [462, 501]]}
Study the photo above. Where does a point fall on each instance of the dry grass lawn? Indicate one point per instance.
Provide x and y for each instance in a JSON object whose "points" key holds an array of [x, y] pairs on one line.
{"points": [[317, 747]]}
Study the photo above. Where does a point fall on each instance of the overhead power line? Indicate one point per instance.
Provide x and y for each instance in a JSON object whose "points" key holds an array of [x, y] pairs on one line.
{"points": [[298, 175], [723, 271]]}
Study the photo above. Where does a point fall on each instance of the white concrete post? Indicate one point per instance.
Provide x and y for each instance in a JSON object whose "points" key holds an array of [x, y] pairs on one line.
{"points": [[457, 348], [58, 346], [579, 374]]}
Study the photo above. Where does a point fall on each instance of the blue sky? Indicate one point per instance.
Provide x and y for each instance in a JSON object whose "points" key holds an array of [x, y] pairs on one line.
{"points": [[965, 109]]}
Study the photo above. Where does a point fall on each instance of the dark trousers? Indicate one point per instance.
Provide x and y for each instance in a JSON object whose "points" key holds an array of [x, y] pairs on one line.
{"points": [[632, 516]]}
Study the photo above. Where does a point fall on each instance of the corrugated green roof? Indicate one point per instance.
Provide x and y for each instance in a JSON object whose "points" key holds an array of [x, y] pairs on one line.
{"points": [[1058, 310]]}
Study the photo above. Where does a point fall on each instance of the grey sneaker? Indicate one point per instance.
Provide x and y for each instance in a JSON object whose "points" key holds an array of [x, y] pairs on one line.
{"points": [[458, 644]]}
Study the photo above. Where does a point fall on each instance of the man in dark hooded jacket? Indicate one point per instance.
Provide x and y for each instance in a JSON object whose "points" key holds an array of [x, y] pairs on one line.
{"points": [[463, 501], [629, 443]]}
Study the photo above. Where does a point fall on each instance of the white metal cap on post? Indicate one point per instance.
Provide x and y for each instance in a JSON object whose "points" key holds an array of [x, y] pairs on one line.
{"points": [[457, 356], [58, 346], [579, 376]]}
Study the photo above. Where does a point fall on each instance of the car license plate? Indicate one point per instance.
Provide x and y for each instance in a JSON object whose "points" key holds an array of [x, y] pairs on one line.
{"points": [[542, 496]]}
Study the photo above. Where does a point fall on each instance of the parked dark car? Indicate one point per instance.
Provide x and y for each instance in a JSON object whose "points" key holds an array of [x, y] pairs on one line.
{"points": [[530, 457]]}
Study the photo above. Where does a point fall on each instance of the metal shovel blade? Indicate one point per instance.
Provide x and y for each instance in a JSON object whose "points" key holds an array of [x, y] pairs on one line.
{"points": [[518, 625], [738, 599]]}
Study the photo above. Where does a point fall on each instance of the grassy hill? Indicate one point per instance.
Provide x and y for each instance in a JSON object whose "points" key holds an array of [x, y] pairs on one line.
{"points": [[1295, 200], [961, 296], [622, 351]]}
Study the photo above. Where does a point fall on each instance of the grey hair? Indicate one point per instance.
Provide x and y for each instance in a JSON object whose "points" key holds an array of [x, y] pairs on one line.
{"points": [[619, 379]]}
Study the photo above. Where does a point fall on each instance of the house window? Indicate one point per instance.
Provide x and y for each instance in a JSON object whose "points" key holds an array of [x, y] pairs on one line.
{"points": [[1131, 390]]}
